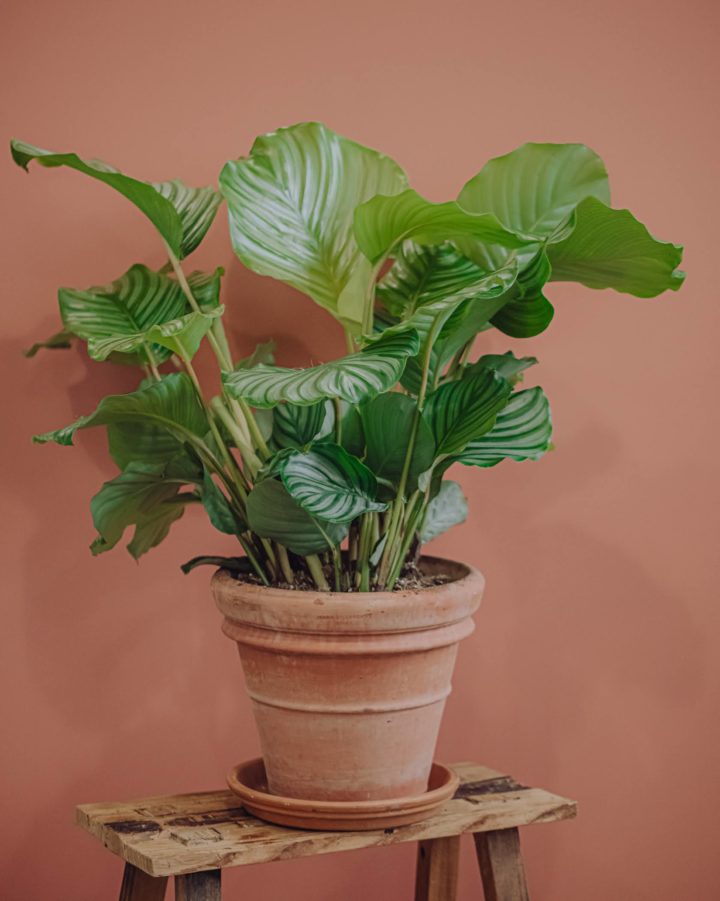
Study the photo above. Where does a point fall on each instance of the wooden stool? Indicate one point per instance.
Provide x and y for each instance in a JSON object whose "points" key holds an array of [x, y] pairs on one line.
{"points": [[193, 837]]}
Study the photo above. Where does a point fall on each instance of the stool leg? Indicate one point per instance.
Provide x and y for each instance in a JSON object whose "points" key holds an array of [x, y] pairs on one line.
{"points": [[437, 869], [198, 886], [501, 865], [138, 886]]}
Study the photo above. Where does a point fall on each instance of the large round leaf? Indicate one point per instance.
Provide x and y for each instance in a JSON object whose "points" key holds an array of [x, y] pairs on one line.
{"points": [[272, 513], [354, 378], [536, 187], [331, 484], [291, 205], [387, 424]]}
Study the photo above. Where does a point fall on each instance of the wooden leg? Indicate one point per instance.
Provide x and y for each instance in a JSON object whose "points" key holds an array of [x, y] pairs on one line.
{"points": [[138, 886], [501, 865], [198, 886], [437, 869]]}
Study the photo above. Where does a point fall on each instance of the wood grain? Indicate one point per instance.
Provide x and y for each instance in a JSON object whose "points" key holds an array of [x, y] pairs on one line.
{"points": [[501, 865], [176, 834], [437, 869], [138, 886]]}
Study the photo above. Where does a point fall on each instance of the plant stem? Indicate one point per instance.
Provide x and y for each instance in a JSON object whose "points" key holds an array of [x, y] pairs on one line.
{"points": [[316, 571], [338, 420]]}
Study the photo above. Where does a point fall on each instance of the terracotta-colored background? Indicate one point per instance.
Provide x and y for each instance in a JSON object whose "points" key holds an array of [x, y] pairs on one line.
{"points": [[594, 670]]}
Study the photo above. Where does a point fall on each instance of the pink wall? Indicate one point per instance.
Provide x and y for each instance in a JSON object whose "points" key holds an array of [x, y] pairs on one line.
{"points": [[594, 670]]}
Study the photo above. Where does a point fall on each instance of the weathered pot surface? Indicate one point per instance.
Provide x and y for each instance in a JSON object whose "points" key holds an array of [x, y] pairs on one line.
{"points": [[348, 689]]}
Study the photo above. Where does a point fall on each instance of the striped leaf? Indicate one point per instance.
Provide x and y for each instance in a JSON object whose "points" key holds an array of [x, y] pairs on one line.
{"points": [[273, 513], [291, 205], [296, 426], [196, 208], [383, 223], [144, 496], [330, 484], [142, 313], [447, 509], [611, 249], [158, 209], [170, 405], [522, 431], [459, 412], [353, 378]]}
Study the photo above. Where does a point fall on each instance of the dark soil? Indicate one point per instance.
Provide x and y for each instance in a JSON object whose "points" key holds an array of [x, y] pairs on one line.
{"points": [[411, 579]]}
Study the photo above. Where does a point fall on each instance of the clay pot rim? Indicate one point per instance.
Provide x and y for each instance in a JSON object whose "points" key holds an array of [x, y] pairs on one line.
{"points": [[405, 610]]}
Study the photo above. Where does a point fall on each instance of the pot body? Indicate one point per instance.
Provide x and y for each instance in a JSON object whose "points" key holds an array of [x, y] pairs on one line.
{"points": [[348, 689]]}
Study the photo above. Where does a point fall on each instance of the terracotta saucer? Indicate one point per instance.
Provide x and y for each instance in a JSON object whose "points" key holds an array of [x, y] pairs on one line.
{"points": [[248, 781]]}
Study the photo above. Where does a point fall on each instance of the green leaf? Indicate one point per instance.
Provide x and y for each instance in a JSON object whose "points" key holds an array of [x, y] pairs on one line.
{"points": [[291, 205], [447, 509], [237, 565], [371, 371], [528, 312], [263, 353], [205, 288], [506, 365], [60, 340], [170, 405], [522, 431], [272, 513], [218, 508], [140, 496], [295, 426], [146, 198], [183, 336], [387, 423], [611, 249], [330, 484], [536, 187], [196, 208], [116, 317], [381, 224], [461, 411]]}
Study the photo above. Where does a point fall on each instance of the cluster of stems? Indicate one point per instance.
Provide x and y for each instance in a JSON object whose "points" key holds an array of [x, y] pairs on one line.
{"points": [[378, 543]]}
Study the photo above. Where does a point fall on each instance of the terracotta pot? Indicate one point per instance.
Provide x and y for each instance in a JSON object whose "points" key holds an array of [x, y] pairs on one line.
{"points": [[348, 689]]}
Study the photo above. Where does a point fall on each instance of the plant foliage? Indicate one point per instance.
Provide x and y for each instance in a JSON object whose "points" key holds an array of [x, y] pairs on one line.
{"points": [[336, 472]]}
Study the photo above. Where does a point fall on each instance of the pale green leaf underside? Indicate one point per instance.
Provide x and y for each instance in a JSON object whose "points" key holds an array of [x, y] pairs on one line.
{"points": [[447, 509], [522, 431], [383, 223], [291, 205], [353, 378], [330, 484], [610, 249], [273, 513]]}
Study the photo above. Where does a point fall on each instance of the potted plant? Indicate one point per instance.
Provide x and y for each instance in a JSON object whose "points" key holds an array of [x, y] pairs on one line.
{"points": [[333, 477]]}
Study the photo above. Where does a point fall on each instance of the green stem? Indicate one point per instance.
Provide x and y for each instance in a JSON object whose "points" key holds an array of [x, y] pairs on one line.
{"points": [[316, 571], [338, 420]]}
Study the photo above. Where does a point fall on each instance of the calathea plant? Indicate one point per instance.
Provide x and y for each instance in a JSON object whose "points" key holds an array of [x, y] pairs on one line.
{"points": [[336, 473]]}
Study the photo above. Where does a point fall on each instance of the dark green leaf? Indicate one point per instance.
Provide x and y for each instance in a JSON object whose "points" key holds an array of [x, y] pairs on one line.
{"points": [[331, 484], [522, 431], [137, 497], [387, 424], [447, 509], [218, 508], [236, 565], [361, 375], [60, 340], [506, 365], [272, 513], [461, 411], [295, 426]]}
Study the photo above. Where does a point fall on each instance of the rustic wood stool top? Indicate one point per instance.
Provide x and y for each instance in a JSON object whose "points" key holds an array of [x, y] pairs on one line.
{"points": [[182, 834]]}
